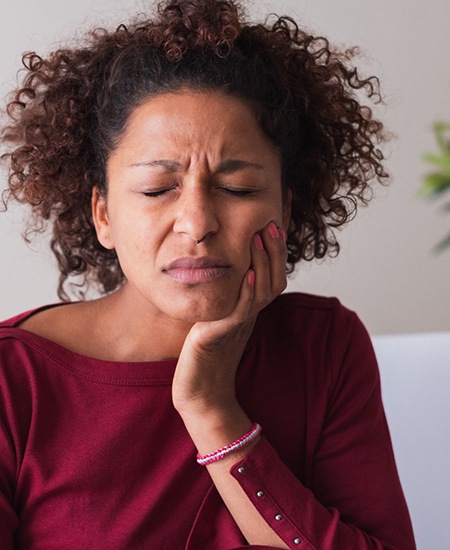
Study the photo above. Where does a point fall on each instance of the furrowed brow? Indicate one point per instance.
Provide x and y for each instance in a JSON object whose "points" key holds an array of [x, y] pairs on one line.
{"points": [[225, 167], [168, 165], [234, 165]]}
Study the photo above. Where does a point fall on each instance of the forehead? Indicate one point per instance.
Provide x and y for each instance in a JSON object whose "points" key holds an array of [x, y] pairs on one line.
{"points": [[199, 122]]}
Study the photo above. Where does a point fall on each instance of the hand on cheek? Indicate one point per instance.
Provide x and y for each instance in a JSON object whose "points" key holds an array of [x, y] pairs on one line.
{"points": [[269, 255], [205, 374]]}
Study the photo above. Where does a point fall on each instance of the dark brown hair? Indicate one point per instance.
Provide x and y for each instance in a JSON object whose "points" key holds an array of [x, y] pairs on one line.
{"points": [[72, 106]]}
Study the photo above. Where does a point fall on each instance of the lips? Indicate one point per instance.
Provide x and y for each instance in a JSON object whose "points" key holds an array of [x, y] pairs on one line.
{"points": [[192, 270]]}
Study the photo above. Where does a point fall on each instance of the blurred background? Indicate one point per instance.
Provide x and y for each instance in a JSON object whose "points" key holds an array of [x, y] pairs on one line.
{"points": [[386, 271]]}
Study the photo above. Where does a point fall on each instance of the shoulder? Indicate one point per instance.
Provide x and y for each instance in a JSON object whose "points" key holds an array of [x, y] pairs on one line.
{"points": [[11, 329], [14, 338], [60, 323], [20, 318], [35, 330], [314, 329], [300, 301], [298, 311]]}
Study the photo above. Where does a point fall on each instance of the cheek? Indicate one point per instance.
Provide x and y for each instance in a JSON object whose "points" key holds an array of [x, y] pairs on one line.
{"points": [[265, 215], [134, 237], [251, 224]]}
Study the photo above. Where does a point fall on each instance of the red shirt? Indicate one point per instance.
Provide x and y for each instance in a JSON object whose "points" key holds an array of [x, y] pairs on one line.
{"points": [[93, 454]]}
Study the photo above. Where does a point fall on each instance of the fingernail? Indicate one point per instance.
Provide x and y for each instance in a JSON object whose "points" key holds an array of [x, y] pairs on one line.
{"points": [[258, 242], [251, 278], [273, 231], [283, 235]]}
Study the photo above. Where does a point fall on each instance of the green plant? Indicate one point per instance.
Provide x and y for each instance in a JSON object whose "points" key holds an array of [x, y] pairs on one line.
{"points": [[437, 183]]}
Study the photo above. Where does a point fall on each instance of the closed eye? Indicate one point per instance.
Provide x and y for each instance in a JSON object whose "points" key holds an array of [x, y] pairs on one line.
{"points": [[156, 193], [235, 192], [238, 192], [161, 191]]}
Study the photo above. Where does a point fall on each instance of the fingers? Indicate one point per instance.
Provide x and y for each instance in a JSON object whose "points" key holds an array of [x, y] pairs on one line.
{"points": [[275, 245], [262, 283], [269, 256], [243, 309]]}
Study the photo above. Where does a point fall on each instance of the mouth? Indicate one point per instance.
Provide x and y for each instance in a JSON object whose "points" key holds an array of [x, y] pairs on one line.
{"points": [[191, 270]]}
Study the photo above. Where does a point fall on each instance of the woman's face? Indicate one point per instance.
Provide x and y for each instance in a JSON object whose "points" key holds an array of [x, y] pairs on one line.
{"points": [[190, 166]]}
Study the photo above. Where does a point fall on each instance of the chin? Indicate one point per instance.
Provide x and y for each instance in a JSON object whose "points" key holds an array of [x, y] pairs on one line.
{"points": [[204, 310]]}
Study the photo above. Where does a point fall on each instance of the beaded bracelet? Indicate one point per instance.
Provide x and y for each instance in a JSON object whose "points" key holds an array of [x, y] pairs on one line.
{"points": [[224, 451]]}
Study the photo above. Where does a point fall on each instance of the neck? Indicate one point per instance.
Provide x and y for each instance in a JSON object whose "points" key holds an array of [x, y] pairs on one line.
{"points": [[140, 333]]}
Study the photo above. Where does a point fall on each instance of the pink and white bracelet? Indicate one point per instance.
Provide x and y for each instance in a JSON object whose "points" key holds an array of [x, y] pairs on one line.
{"points": [[224, 451]]}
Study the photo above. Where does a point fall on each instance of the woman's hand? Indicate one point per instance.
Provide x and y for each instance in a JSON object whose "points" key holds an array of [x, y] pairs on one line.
{"points": [[205, 374]]}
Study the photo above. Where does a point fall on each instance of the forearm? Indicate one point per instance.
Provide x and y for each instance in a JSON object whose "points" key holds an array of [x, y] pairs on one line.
{"points": [[213, 431], [268, 501]]}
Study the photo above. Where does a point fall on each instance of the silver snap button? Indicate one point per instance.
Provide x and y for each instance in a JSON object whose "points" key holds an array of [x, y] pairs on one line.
{"points": [[278, 517], [297, 541], [259, 494], [241, 470]]}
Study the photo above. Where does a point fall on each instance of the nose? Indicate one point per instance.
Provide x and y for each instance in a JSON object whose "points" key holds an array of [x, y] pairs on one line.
{"points": [[196, 215]]}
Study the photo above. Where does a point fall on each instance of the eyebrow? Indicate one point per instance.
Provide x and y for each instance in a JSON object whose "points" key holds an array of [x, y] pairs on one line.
{"points": [[169, 165], [229, 166], [225, 167]]}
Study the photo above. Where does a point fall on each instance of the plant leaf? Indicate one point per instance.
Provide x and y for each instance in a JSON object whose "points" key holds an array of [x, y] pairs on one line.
{"points": [[443, 245], [443, 161], [434, 184], [440, 131]]}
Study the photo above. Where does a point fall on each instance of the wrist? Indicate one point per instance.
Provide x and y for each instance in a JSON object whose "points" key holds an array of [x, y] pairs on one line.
{"points": [[235, 447], [212, 409], [217, 428]]}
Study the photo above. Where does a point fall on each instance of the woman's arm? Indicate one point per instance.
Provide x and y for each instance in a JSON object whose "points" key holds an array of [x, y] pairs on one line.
{"points": [[204, 382], [354, 467]]}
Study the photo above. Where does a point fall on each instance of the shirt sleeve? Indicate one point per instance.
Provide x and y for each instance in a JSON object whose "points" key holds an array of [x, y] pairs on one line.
{"points": [[355, 500], [8, 516], [8, 523]]}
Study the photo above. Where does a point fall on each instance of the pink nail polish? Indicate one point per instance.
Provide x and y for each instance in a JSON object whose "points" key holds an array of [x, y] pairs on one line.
{"points": [[258, 242], [273, 231], [251, 278], [283, 235]]}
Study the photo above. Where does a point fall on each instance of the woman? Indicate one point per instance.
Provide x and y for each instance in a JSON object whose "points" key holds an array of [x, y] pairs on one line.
{"points": [[183, 162]]}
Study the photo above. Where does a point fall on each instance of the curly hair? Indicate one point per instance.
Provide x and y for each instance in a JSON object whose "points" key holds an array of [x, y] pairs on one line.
{"points": [[72, 106]]}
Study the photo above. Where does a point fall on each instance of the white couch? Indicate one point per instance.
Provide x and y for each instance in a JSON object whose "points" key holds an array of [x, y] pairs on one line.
{"points": [[415, 376]]}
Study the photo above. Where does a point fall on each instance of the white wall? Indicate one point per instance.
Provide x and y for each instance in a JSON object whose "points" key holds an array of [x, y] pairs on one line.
{"points": [[386, 270], [415, 378]]}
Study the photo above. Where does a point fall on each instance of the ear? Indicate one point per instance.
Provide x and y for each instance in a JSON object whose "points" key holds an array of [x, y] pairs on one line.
{"points": [[101, 219], [287, 202]]}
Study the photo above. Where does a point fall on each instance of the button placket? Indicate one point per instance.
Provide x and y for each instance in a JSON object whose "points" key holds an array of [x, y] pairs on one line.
{"points": [[277, 516]]}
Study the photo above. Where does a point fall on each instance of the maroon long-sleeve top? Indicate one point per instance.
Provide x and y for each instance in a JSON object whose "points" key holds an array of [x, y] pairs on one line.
{"points": [[93, 454]]}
